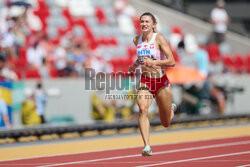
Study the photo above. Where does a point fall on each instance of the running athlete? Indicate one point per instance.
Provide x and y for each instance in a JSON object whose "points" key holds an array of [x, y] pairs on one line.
{"points": [[154, 55]]}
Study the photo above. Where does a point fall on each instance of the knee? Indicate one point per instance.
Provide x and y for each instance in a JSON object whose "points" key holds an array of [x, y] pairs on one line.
{"points": [[143, 111]]}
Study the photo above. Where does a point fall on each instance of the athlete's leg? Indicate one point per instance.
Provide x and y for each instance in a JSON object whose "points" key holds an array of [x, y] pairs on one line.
{"points": [[144, 100], [164, 101]]}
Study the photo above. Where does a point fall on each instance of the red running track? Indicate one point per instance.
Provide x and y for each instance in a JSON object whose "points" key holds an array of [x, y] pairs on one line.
{"points": [[230, 152]]}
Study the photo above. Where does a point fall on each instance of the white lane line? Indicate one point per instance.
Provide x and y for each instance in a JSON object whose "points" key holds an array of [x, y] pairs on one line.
{"points": [[199, 158], [155, 153], [120, 162], [113, 149], [20, 164], [247, 165]]}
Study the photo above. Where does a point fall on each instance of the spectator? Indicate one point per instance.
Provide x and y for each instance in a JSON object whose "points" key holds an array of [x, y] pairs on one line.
{"points": [[101, 110], [176, 38], [216, 95], [192, 55], [203, 61], [124, 13], [8, 39], [60, 56], [186, 50], [80, 56], [44, 70], [40, 100], [35, 55], [4, 113], [6, 74], [28, 110], [220, 20], [4, 15], [20, 33]]}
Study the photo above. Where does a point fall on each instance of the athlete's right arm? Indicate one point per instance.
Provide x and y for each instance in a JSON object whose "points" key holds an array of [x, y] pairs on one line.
{"points": [[136, 63]]}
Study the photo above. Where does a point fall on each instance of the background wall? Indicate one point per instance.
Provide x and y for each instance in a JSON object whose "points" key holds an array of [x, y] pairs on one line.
{"points": [[75, 102]]}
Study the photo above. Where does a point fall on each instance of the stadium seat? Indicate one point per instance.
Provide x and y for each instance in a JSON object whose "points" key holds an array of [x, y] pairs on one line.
{"points": [[229, 62], [55, 40], [131, 52], [11, 60], [136, 23], [60, 3], [239, 63], [113, 41], [62, 30], [18, 73], [80, 8], [176, 29], [100, 15], [248, 63], [32, 73], [213, 52], [67, 15], [101, 40], [21, 62], [53, 72], [43, 13]]}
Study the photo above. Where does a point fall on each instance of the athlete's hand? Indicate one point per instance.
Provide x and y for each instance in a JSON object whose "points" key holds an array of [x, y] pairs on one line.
{"points": [[148, 62], [131, 70]]}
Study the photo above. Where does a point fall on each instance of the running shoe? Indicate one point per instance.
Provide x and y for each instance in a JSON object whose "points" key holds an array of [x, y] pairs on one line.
{"points": [[146, 151], [174, 107]]}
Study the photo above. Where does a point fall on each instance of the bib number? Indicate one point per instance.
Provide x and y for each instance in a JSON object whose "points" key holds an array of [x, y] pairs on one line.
{"points": [[142, 57]]}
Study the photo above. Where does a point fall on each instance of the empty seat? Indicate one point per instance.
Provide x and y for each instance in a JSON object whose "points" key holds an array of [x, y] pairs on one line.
{"points": [[32, 73], [67, 15], [239, 64], [100, 15], [136, 24], [22, 61], [248, 63], [213, 52], [228, 62], [81, 8]]}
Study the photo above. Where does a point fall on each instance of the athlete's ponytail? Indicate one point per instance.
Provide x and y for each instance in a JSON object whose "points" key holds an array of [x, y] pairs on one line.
{"points": [[153, 18], [155, 30]]}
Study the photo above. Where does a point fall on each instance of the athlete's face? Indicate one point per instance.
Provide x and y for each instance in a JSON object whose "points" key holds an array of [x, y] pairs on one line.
{"points": [[147, 23]]}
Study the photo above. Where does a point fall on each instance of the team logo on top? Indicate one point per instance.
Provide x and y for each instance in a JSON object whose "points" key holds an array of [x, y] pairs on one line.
{"points": [[151, 46], [145, 47], [143, 52], [139, 47]]}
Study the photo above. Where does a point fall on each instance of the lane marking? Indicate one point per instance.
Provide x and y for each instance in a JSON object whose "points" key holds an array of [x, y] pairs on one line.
{"points": [[24, 164], [126, 162], [115, 149], [199, 158], [247, 165], [117, 142], [155, 153]]}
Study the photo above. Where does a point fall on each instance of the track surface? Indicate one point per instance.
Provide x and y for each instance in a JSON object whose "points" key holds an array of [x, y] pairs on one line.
{"points": [[228, 152]]}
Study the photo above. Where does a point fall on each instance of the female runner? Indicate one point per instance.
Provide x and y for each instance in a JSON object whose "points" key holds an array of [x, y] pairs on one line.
{"points": [[154, 55]]}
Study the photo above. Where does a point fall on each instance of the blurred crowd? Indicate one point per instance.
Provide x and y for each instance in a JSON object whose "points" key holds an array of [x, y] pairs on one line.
{"points": [[29, 53], [30, 49]]}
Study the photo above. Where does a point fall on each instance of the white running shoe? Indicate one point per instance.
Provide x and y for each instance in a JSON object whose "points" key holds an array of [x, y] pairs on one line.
{"points": [[146, 151], [174, 107]]}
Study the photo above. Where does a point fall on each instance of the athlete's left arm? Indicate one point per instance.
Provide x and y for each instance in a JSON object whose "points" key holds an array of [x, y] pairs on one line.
{"points": [[164, 47]]}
